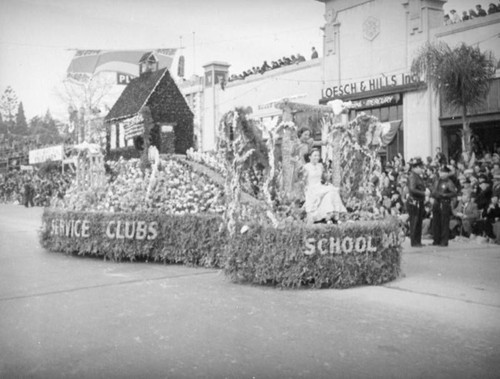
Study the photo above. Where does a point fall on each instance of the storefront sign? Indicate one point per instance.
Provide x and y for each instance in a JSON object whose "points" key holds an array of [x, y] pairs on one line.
{"points": [[123, 79], [369, 85], [375, 101]]}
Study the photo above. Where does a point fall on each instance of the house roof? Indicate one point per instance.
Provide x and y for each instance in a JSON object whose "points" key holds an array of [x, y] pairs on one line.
{"points": [[135, 95], [147, 56]]}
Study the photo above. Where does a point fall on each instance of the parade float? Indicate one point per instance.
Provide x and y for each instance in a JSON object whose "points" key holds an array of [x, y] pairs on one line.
{"points": [[163, 210]]}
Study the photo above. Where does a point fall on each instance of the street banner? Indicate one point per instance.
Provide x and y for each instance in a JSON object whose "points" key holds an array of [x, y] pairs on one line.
{"points": [[126, 62], [53, 153]]}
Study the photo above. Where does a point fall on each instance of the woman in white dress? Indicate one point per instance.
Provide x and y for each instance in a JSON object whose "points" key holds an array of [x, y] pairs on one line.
{"points": [[323, 201]]}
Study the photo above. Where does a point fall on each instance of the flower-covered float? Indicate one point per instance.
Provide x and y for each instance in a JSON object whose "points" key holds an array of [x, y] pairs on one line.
{"points": [[163, 210]]}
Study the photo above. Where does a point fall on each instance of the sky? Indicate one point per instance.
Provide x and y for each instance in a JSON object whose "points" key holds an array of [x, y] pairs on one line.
{"points": [[38, 38]]}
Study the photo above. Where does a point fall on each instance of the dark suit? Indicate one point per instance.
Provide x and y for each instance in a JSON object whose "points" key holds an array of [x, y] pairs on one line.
{"points": [[443, 191], [29, 193], [415, 207]]}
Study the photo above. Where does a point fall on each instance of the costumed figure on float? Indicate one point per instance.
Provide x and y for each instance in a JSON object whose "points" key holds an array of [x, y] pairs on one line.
{"points": [[323, 202]]}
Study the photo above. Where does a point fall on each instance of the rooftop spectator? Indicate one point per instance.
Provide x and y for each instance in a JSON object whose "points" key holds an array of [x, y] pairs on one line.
{"points": [[480, 11], [473, 14], [454, 17], [465, 16], [446, 20], [492, 8], [265, 67], [314, 53]]}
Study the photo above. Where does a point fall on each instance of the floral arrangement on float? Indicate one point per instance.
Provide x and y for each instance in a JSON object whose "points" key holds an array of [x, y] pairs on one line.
{"points": [[182, 216], [177, 190], [277, 246]]}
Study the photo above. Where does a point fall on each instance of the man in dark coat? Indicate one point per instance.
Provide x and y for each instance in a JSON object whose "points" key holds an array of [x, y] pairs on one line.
{"points": [[29, 191], [415, 202], [443, 191]]}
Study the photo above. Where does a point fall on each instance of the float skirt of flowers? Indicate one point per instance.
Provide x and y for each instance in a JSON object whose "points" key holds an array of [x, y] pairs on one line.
{"points": [[329, 256]]}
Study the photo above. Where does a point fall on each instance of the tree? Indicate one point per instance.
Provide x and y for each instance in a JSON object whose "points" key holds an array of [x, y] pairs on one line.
{"points": [[45, 129], [8, 106], [21, 126], [3, 125], [85, 96], [461, 76]]}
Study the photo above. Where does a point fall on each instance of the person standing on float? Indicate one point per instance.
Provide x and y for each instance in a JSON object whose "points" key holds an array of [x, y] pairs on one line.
{"points": [[443, 191], [415, 202]]}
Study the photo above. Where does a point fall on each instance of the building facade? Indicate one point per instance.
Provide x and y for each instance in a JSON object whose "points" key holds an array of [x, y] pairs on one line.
{"points": [[368, 49], [369, 46]]}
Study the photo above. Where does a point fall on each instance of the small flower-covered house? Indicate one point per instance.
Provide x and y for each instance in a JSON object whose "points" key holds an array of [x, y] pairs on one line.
{"points": [[171, 127]]}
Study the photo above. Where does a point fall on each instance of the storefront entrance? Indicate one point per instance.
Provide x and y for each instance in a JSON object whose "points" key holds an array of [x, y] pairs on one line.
{"points": [[485, 139]]}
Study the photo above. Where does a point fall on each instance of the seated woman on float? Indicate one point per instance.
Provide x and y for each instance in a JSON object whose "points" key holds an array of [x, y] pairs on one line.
{"points": [[323, 202]]}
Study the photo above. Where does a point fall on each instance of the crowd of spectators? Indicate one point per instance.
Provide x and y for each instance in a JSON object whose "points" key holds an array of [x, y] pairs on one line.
{"points": [[35, 188], [475, 211], [285, 61], [453, 17], [11, 147]]}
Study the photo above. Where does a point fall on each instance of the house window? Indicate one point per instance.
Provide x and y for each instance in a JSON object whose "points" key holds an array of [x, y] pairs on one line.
{"points": [[112, 137], [121, 139], [167, 128]]}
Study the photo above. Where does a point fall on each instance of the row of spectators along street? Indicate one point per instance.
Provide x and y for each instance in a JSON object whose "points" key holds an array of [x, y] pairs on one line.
{"points": [[34, 188], [285, 61], [475, 211], [479, 185], [453, 17]]}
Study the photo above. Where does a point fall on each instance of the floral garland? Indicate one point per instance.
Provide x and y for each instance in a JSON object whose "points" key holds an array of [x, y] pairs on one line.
{"points": [[236, 151]]}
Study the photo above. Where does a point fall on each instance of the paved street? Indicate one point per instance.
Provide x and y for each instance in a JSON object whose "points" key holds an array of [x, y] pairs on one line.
{"points": [[73, 317]]}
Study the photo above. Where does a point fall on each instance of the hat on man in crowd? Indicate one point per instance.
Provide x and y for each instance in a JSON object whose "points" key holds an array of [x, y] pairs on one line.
{"points": [[482, 177], [445, 169], [416, 162], [469, 171]]}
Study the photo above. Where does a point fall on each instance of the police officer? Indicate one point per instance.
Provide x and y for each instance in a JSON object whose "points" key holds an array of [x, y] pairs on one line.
{"points": [[415, 202], [443, 192]]}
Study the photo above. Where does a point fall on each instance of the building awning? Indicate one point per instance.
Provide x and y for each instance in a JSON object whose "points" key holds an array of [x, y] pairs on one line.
{"points": [[473, 119]]}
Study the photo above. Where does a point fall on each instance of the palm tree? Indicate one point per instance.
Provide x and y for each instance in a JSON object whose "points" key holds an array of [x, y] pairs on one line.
{"points": [[461, 76]]}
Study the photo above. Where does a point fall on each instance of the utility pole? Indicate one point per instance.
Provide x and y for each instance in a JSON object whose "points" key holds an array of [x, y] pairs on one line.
{"points": [[194, 54]]}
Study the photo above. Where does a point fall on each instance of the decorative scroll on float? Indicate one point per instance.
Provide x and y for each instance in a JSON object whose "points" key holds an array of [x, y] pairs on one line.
{"points": [[90, 173]]}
